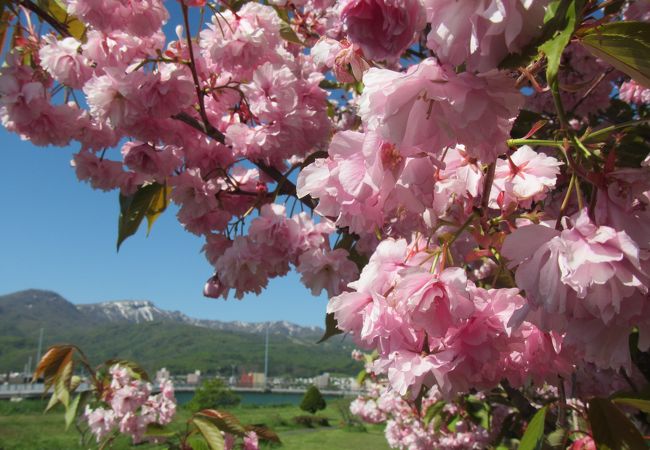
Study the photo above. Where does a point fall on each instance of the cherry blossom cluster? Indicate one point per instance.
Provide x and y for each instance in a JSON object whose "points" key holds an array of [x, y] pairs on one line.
{"points": [[128, 406], [408, 428], [249, 442], [432, 326]]}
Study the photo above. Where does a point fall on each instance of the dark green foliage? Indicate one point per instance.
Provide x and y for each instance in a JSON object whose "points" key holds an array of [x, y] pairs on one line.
{"points": [[180, 347], [213, 394], [313, 400], [311, 421]]}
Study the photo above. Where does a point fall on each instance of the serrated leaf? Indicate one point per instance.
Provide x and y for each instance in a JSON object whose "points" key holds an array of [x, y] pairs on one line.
{"points": [[555, 20], [611, 429], [624, 45], [568, 12], [331, 328], [157, 430], [641, 404], [197, 442], [286, 32], [62, 384], [52, 361], [57, 10], [533, 437], [148, 201], [223, 420], [210, 433], [71, 411], [433, 411]]}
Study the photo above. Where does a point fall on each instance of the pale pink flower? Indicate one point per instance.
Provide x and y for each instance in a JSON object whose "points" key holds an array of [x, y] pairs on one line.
{"points": [[100, 421], [150, 160], [482, 33], [434, 302], [634, 93], [251, 441], [141, 18], [598, 265], [329, 270], [382, 28], [241, 42], [526, 176], [429, 108], [63, 61], [102, 174]]}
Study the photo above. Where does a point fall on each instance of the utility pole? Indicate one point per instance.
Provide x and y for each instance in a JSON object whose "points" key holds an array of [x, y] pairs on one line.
{"points": [[266, 357], [40, 346]]}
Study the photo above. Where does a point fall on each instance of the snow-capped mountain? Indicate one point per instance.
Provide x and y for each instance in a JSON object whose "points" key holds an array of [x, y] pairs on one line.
{"points": [[139, 311]]}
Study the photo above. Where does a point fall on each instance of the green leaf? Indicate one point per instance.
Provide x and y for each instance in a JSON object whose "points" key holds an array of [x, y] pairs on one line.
{"points": [[361, 377], [148, 201], [286, 32], [331, 328], [555, 20], [71, 411], [134, 369], [556, 439], [57, 10], [159, 431], [222, 420], [533, 437], [433, 411], [567, 13], [210, 433], [159, 204], [197, 442], [611, 429], [479, 411], [624, 45], [640, 400]]}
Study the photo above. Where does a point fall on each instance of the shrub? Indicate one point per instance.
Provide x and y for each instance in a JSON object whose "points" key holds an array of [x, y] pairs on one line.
{"points": [[213, 394], [311, 421], [313, 400]]}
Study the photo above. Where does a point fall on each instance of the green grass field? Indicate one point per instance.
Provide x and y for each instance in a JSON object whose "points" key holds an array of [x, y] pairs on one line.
{"points": [[24, 426]]}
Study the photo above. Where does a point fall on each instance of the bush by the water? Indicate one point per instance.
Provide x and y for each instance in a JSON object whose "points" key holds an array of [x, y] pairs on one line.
{"points": [[213, 394], [313, 400]]}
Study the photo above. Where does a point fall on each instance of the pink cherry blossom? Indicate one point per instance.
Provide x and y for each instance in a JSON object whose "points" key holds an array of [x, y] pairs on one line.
{"points": [[482, 33], [329, 270], [382, 28], [634, 93], [63, 61], [429, 108], [526, 176]]}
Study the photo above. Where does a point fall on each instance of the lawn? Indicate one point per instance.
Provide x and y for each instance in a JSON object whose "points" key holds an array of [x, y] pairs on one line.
{"points": [[24, 427]]}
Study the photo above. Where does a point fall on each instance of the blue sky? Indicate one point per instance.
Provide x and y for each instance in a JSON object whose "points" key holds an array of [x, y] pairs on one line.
{"points": [[57, 233]]}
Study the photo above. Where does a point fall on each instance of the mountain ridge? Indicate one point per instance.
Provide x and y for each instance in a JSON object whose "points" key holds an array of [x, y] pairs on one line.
{"points": [[154, 337], [137, 311]]}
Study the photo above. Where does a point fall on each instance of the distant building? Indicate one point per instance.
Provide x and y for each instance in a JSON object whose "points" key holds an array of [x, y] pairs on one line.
{"points": [[252, 379], [194, 378], [321, 381], [162, 375]]}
